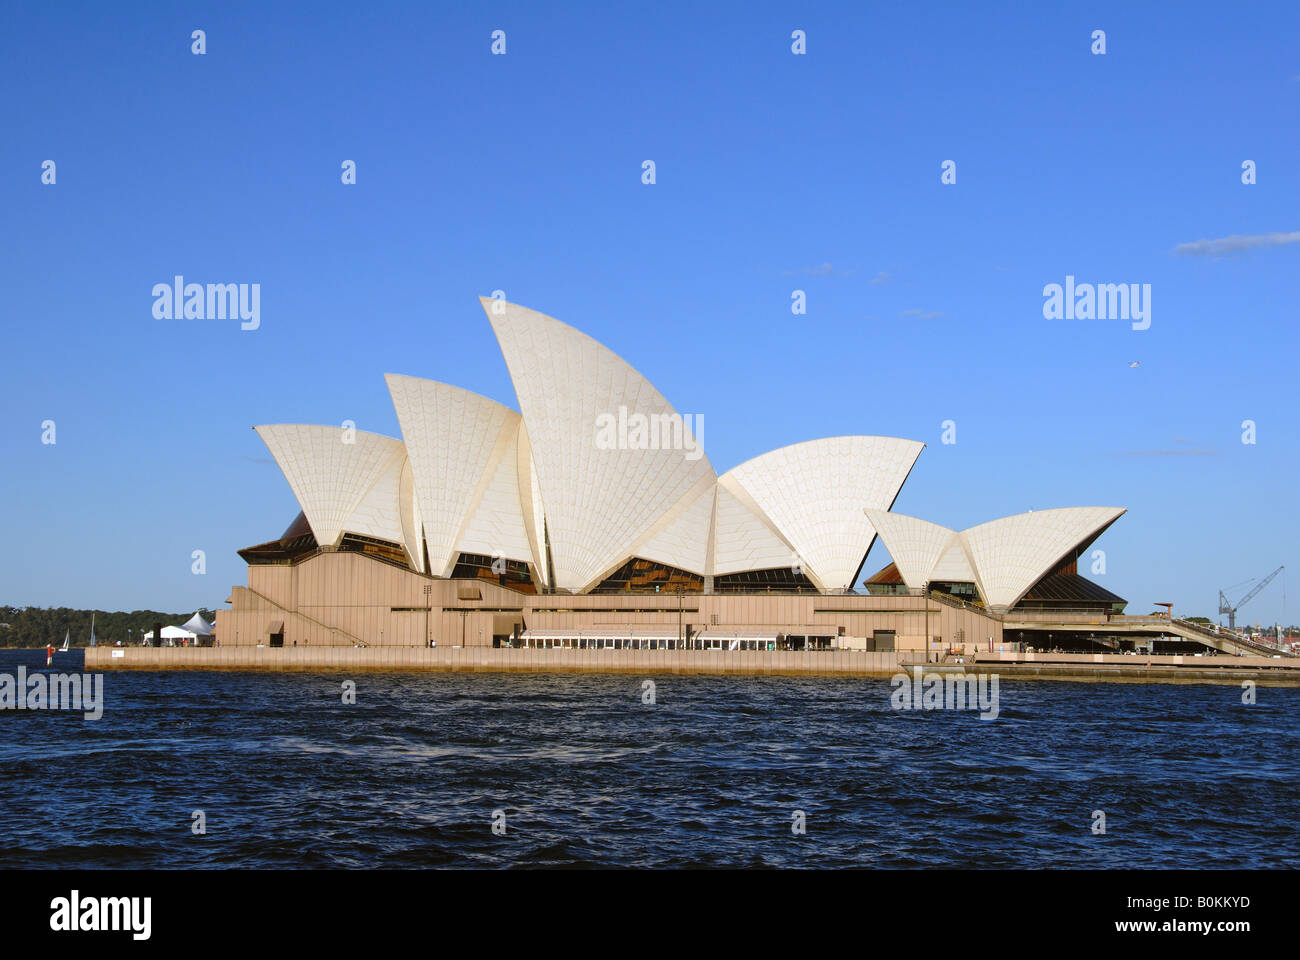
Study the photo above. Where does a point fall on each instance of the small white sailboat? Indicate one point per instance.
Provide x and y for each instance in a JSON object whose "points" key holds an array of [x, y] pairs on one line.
{"points": [[92, 629], [66, 638]]}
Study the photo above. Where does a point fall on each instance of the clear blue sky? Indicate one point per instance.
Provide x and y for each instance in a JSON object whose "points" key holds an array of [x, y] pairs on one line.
{"points": [[775, 172]]}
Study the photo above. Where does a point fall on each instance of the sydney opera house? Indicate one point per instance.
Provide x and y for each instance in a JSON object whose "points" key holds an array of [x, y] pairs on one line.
{"points": [[591, 518]]}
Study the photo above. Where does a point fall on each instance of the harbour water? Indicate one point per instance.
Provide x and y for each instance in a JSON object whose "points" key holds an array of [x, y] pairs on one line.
{"points": [[585, 773]]}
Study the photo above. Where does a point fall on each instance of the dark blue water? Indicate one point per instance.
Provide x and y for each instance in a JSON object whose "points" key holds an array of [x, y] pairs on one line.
{"points": [[289, 776]]}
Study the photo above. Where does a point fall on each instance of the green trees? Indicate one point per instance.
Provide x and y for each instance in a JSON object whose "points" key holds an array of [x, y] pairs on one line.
{"points": [[38, 626]]}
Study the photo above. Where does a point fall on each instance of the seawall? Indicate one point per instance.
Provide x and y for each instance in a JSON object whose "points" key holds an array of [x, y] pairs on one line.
{"points": [[835, 663], [1119, 668]]}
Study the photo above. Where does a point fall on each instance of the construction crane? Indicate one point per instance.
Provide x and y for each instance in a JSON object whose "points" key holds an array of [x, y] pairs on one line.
{"points": [[1231, 609]]}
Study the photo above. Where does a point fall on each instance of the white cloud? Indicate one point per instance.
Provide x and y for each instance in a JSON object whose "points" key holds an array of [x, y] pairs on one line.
{"points": [[1236, 244], [1168, 453], [825, 270]]}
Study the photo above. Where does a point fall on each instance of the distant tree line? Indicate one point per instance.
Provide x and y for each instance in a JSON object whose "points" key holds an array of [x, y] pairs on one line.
{"points": [[37, 626]]}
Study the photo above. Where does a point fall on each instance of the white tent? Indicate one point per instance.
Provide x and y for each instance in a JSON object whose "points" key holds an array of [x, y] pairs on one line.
{"points": [[172, 633], [197, 626]]}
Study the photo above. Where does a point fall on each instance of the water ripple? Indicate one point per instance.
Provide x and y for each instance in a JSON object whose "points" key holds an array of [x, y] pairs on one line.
{"points": [[586, 775]]}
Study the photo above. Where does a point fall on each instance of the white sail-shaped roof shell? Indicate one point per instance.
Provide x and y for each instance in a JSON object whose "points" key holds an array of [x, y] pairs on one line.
{"points": [[915, 545], [331, 471], [495, 526], [681, 537], [1003, 558], [379, 514], [598, 503], [1012, 554], [954, 565], [530, 496], [457, 441], [814, 494], [744, 539], [412, 524]]}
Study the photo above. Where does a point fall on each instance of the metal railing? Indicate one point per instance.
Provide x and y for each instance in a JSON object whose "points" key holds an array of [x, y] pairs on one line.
{"points": [[961, 604], [1067, 611], [1231, 637]]}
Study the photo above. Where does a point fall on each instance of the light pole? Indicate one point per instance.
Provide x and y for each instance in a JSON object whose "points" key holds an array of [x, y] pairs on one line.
{"points": [[926, 588], [428, 590], [681, 596]]}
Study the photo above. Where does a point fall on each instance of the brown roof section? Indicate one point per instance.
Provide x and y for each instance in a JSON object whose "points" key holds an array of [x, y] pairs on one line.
{"points": [[296, 541], [888, 574], [1069, 588]]}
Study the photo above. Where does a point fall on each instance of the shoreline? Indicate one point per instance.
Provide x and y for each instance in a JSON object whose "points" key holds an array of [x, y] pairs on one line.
{"points": [[834, 663]]}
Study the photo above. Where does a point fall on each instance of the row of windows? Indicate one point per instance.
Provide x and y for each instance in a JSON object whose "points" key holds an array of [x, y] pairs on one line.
{"points": [[665, 643]]}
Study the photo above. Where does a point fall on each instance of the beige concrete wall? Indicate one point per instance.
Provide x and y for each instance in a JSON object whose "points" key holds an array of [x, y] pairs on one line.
{"points": [[489, 660], [335, 599], [1092, 667]]}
